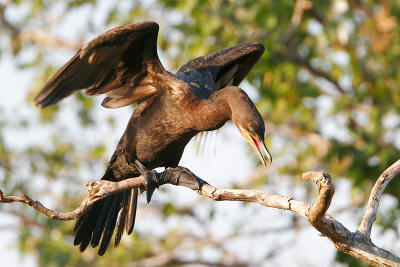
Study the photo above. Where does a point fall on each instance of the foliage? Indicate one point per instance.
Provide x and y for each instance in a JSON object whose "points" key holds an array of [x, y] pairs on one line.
{"points": [[327, 86]]}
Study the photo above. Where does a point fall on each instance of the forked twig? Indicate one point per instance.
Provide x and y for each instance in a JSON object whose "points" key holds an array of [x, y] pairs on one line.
{"points": [[352, 243]]}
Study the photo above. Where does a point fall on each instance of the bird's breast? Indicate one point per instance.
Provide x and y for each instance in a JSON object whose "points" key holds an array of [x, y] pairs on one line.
{"points": [[161, 146], [159, 135]]}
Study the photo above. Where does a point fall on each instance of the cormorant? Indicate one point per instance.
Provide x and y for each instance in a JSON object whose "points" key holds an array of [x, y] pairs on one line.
{"points": [[171, 109]]}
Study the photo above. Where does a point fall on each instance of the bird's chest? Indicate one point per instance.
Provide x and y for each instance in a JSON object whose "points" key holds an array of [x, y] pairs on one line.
{"points": [[161, 139], [161, 147]]}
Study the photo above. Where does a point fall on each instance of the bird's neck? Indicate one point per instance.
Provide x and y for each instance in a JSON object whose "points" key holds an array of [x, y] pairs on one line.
{"points": [[216, 111]]}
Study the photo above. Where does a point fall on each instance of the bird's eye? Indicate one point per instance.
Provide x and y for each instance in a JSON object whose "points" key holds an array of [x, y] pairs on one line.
{"points": [[251, 131]]}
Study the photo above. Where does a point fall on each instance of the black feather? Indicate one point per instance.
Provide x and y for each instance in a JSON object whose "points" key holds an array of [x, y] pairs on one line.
{"points": [[122, 217], [131, 216], [101, 220], [110, 225]]}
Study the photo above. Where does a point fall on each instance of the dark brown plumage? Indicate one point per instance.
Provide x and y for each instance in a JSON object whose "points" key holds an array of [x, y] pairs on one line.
{"points": [[123, 64]]}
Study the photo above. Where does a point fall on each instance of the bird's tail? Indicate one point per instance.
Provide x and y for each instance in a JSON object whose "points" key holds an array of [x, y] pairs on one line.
{"points": [[97, 225]]}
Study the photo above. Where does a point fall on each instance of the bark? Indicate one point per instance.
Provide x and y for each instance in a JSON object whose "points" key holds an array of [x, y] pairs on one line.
{"points": [[356, 244]]}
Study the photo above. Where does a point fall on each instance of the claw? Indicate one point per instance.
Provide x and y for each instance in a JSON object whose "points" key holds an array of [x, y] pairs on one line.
{"points": [[152, 179], [186, 178]]}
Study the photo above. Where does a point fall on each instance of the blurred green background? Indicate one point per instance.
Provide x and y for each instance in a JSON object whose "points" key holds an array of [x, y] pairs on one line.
{"points": [[327, 85]]}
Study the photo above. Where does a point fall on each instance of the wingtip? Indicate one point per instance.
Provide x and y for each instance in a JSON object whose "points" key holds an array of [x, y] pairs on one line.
{"points": [[38, 103], [41, 103], [253, 48], [262, 47], [44, 98], [150, 23], [258, 47], [38, 100]]}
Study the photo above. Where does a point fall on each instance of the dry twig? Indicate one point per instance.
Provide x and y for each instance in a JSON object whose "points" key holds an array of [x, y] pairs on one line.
{"points": [[375, 197], [34, 35], [352, 243]]}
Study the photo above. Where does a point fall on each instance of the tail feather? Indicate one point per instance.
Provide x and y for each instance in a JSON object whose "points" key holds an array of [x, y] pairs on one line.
{"points": [[78, 224], [97, 225], [130, 220], [82, 238], [122, 217], [85, 242], [83, 225], [109, 226]]}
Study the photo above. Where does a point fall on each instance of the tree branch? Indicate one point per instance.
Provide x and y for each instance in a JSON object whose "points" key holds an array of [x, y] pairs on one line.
{"points": [[97, 190], [295, 58], [171, 256], [326, 190], [33, 35], [354, 244], [375, 197]]}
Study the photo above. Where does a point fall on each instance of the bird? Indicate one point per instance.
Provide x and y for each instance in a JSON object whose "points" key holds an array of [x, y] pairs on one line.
{"points": [[203, 95]]}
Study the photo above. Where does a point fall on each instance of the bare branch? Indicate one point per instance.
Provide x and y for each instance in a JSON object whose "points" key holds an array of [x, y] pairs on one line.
{"points": [[354, 244], [318, 209], [348, 242], [162, 259], [299, 8], [24, 218], [314, 71], [375, 197], [44, 38], [97, 190], [205, 263], [33, 35], [172, 256]]}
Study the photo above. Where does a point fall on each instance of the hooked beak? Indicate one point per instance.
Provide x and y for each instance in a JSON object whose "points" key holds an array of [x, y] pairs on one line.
{"points": [[259, 146]]}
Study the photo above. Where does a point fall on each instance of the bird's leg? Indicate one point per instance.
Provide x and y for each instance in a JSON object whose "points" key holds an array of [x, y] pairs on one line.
{"points": [[152, 179], [176, 176]]}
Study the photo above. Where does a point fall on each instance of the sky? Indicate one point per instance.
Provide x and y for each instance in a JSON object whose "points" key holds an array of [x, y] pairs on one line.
{"points": [[9, 99], [224, 161]]}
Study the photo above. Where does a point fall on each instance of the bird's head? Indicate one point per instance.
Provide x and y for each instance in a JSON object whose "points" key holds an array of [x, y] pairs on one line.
{"points": [[250, 124]]}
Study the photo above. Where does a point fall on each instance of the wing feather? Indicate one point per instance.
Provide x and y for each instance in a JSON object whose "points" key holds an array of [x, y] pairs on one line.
{"points": [[116, 63], [227, 66]]}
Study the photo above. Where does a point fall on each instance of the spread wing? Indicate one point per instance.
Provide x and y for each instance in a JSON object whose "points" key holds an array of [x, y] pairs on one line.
{"points": [[121, 63], [227, 67]]}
